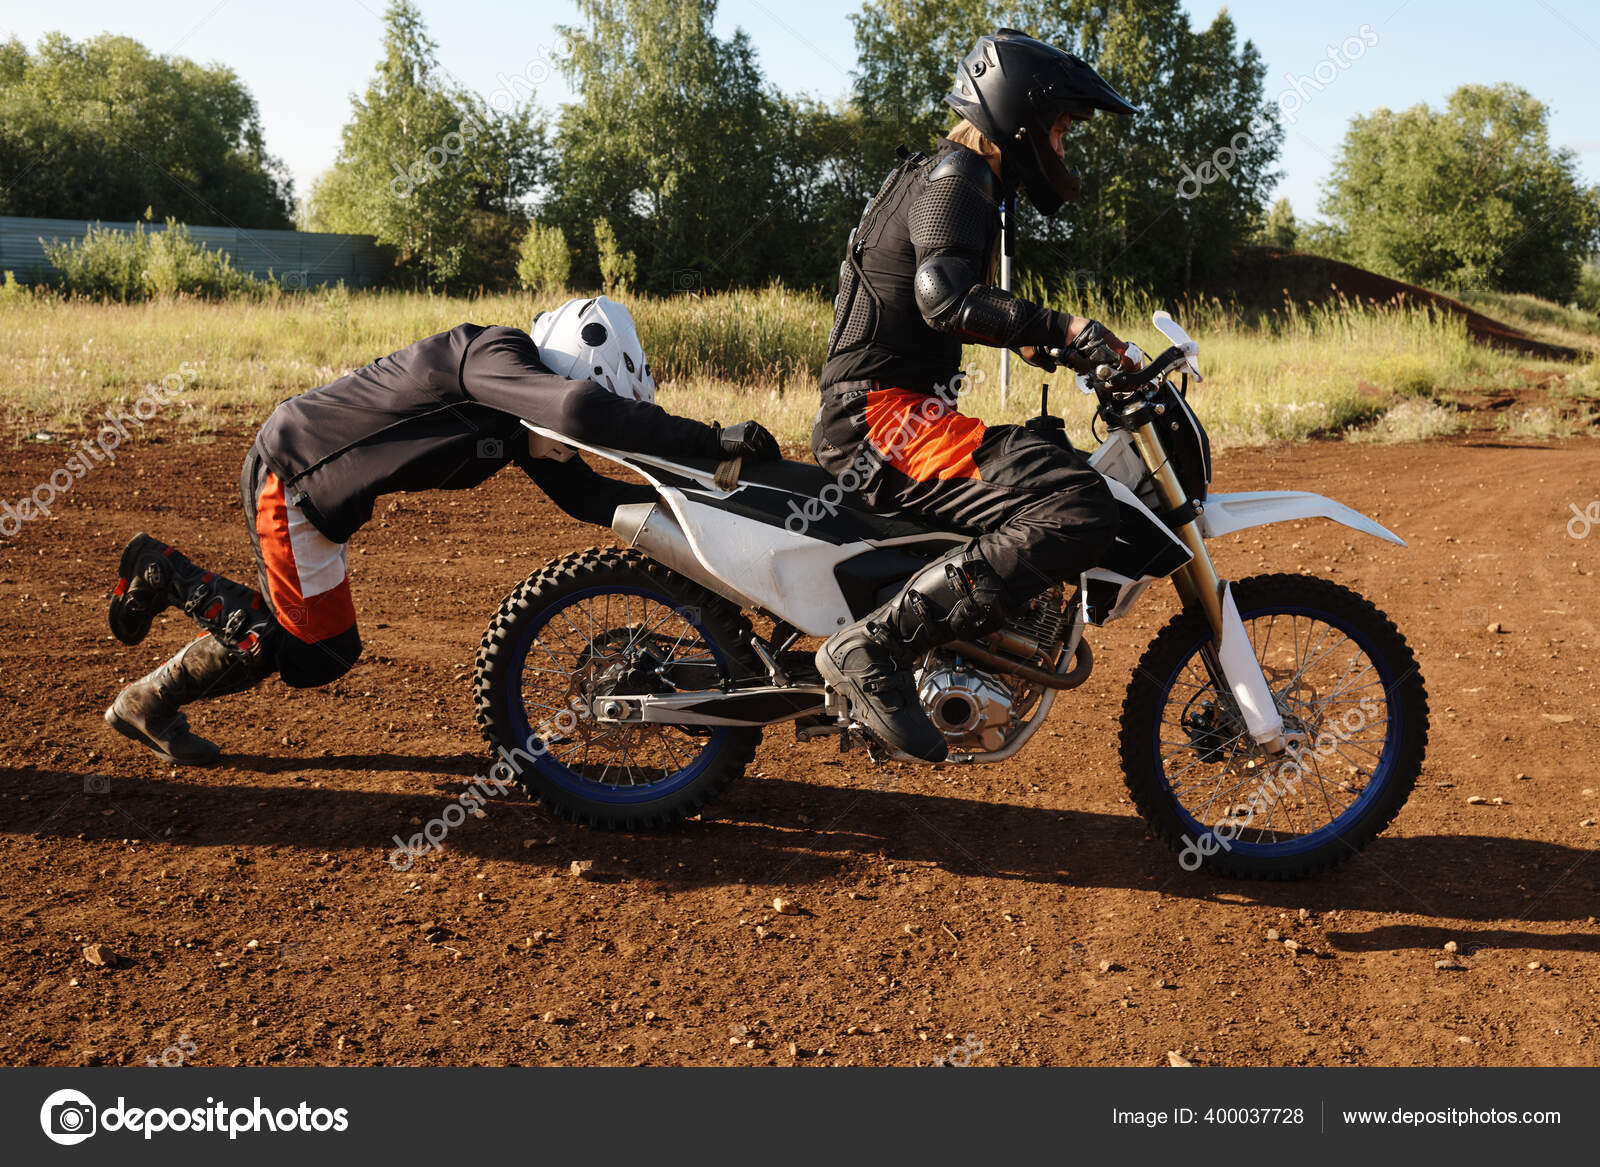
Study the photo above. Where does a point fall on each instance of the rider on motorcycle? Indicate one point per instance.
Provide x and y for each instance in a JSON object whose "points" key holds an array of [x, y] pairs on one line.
{"points": [[444, 413], [914, 286]]}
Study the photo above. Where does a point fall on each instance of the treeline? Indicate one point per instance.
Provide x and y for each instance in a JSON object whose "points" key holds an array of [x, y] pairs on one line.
{"points": [[678, 166], [708, 176], [103, 129]]}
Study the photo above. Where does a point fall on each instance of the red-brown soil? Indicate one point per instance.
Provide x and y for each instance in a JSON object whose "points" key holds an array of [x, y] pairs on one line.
{"points": [[1265, 277], [258, 921]]}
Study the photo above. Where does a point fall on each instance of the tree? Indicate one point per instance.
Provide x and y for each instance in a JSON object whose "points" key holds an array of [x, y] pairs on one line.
{"points": [[669, 141], [428, 169], [543, 261], [1280, 230], [104, 129], [618, 268], [1473, 195]]}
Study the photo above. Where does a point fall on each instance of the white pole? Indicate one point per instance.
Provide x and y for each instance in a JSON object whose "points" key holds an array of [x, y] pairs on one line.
{"points": [[1005, 286]]}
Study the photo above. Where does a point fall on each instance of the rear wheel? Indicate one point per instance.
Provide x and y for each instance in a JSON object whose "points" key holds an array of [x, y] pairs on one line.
{"points": [[608, 621], [1346, 684]]}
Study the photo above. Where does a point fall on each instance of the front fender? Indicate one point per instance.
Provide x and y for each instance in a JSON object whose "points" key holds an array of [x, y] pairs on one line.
{"points": [[1225, 513]]}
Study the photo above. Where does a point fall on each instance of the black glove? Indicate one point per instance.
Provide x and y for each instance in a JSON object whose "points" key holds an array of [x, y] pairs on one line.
{"points": [[1095, 345], [748, 439]]}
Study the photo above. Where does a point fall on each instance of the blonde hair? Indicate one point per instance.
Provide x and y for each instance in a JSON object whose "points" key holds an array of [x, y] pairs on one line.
{"points": [[964, 133]]}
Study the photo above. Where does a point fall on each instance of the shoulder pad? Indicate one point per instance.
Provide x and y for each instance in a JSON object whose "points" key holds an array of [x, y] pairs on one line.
{"points": [[970, 165]]}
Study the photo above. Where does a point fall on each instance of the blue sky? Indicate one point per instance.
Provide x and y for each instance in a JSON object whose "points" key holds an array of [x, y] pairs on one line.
{"points": [[303, 58]]}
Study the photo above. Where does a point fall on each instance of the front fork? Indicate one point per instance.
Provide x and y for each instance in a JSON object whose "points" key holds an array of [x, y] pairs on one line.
{"points": [[1200, 586]]}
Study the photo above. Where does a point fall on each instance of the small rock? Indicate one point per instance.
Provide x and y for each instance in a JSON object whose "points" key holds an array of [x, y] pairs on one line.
{"points": [[911, 929], [1476, 800], [1451, 946], [1304, 914], [761, 932], [100, 956], [252, 944], [785, 908], [1534, 966], [1174, 1058], [1524, 777], [1496, 627], [1586, 822], [1449, 966], [1110, 966], [852, 1030], [580, 868], [1292, 945], [1274, 934]]}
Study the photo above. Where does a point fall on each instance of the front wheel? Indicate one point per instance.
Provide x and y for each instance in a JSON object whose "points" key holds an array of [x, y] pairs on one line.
{"points": [[1348, 688], [604, 622]]}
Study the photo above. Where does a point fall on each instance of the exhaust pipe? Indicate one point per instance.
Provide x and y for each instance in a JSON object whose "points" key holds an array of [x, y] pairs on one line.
{"points": [[1082, 666], [651, 528]]}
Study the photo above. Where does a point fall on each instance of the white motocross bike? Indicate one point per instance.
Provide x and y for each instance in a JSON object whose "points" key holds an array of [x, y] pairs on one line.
{"points": [[1273, 727]]}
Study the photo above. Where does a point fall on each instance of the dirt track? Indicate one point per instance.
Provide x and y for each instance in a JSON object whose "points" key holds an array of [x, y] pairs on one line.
{"points": [[940, 903]]}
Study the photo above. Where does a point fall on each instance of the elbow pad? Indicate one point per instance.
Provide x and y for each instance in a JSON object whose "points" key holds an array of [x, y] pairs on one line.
{"points": [[952, 299]]}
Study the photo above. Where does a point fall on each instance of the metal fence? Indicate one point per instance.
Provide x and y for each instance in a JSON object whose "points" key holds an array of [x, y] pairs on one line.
{"points": [[297, 259]]}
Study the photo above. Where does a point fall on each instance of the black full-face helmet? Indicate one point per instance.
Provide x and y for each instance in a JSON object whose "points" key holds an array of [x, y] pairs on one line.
{"points": [[1012, 88]]}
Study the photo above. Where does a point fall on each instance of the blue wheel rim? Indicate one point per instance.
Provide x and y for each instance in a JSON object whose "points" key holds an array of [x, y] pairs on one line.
{"points": [[1376, 784], [551, 769]]}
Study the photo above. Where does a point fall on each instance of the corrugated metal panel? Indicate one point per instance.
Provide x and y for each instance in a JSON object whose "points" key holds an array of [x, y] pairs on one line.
{"points": [[297, 258]]}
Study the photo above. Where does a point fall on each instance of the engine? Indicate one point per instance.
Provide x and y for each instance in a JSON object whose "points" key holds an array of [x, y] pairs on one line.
{"points": [[981, 712], [975, 711]]}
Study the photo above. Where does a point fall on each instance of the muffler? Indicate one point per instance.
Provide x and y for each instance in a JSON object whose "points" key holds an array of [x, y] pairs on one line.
{"points": [[651, 528]]}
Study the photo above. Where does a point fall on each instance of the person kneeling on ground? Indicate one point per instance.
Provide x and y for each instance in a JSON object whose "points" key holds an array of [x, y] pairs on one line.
{"points": [[445, 413]]}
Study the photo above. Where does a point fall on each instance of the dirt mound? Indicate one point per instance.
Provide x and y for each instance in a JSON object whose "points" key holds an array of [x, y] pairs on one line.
{"points": [[1264, 277]]}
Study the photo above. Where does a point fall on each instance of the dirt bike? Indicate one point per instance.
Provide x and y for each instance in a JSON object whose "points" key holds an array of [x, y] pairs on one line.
{"points": [[1273, 727]]}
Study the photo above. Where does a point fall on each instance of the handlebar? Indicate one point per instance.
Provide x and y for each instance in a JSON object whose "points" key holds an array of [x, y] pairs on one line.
{"points": [[1111, 385]]}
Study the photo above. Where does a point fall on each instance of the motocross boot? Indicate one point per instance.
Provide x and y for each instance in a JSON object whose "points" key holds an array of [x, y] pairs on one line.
{"points": [[146, 579], [153, 577], [954, 598], [150, 710]]}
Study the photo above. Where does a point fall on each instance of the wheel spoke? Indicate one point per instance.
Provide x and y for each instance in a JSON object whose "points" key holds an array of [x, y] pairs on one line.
{"points": [[1215, 773]]}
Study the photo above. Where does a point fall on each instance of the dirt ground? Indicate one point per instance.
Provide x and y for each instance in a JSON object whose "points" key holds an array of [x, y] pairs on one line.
{"points": [[1016, 914]]}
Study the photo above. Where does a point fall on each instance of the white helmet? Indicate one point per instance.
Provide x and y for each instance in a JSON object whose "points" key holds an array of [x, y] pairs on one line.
{"points": [[594, 340]]}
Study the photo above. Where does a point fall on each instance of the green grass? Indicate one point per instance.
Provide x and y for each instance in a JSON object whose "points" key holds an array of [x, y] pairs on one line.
{"points": [[1540, 319], [1285, 376]]}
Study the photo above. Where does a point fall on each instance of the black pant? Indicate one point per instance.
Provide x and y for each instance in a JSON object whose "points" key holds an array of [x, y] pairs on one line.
{"points": [[1041, 514]]}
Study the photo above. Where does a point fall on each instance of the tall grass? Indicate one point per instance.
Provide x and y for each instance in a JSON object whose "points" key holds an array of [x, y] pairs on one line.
{"points": [[1281, 376]]}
